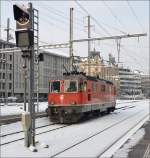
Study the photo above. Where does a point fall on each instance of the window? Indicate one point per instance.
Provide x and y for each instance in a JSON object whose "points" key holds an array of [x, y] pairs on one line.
{"points": [[3, 75], [10, 57], [3, 65], [10, 86], [81, 87], [103, 88], [70, 86], [55, 86], [10, 67], [10, 76], [3, 86], [3, 56], [85, 86], [94, 87]]}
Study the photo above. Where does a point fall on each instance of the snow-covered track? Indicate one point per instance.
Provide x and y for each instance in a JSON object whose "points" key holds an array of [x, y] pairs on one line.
{"points": [[40, 130], [12, 133], [136, 126], [14, 118], [60, 153]]}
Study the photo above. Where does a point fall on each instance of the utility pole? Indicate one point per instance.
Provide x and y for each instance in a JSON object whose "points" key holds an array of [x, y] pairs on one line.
{"points": [[89, 44], [118, 41], [71, 39], [6, 58], [31, 84]]}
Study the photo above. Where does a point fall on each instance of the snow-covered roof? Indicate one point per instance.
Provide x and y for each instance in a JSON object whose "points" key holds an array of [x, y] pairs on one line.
{"points": [[56, 52]]}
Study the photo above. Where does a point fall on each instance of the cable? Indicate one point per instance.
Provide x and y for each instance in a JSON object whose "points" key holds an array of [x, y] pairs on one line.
{"points": [[92, 17], [128, 55], [62, 20], [113, 14], [61, 14], [133, 12], [101, 21]]}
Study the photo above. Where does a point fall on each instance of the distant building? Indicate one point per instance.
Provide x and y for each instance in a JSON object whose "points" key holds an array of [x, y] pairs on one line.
{"points": [[10, 74], [130, 84], [50, 67], [146, 85], [95, 66]]}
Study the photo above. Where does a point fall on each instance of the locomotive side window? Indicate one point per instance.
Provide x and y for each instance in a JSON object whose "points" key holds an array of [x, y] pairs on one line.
{"points": [[85, 86], [94, 87], [55, 86], [70, 86], [103, 88], [81, 87]]}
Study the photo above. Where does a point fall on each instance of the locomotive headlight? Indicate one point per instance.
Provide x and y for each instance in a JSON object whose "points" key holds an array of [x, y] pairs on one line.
{"points": [[52, 103], [73, 103], [62, 97]]}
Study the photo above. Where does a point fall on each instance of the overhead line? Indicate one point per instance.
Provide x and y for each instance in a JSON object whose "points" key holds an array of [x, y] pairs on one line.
{"points": [[113, 14], [134, 14], [92, 17]]}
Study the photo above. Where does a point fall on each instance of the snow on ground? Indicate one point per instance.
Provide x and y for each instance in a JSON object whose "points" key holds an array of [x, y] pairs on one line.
{"points": [[17, 108], [63, 138], [17, 126], [125, 149]]}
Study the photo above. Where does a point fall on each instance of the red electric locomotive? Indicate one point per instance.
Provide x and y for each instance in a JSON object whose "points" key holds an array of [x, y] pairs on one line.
{"points": [[75, 95]]}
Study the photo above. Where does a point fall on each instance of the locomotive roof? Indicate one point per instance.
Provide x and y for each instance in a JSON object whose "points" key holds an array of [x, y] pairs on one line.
{"points": [[80, 76]]}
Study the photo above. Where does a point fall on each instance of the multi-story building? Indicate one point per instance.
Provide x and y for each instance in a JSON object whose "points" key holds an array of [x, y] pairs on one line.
{"points": [[146, 85], [6, 75], [51, 66], [130, 84]]}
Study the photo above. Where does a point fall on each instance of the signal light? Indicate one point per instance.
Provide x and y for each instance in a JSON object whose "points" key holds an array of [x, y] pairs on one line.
{"points": [[24, 38], [24, 32], [22, 17]]}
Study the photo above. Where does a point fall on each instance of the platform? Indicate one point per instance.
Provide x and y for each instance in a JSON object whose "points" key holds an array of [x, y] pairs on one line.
{"points": [[142, 148]]}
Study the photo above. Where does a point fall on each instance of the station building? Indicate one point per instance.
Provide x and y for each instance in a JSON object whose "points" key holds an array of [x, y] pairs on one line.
{"points": [[52, 65]]}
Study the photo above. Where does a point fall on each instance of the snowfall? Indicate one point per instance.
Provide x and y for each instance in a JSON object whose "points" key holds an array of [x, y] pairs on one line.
{"points": [[70, 141]]}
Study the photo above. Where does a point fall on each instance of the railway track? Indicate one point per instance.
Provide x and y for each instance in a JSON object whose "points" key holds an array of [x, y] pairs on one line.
{"points": [[121, 137], [14, 118], [100, 132], [38, 133]]}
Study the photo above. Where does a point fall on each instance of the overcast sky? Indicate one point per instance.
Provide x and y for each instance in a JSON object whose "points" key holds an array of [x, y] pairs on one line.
{"points": [[110, 18]]}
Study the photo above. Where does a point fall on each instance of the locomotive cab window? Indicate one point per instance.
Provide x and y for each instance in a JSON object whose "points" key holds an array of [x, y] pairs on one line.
{"points": [[55, 87], [70, 86]]}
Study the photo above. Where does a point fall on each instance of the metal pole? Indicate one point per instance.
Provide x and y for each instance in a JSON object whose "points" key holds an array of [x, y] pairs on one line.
{"points": [[71, 38], [25, 81], [6, 75], [89, 46], [38, 61], [31, 86], [38, 86]]}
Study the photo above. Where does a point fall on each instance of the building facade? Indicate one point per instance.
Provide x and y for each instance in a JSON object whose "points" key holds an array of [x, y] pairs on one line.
{"points": [[95, 66], [52, 65], [6, 70], [145, 82], [130, 84]]}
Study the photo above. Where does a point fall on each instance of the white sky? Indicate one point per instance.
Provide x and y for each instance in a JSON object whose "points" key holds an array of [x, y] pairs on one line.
{"points": [[114, 17]]}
